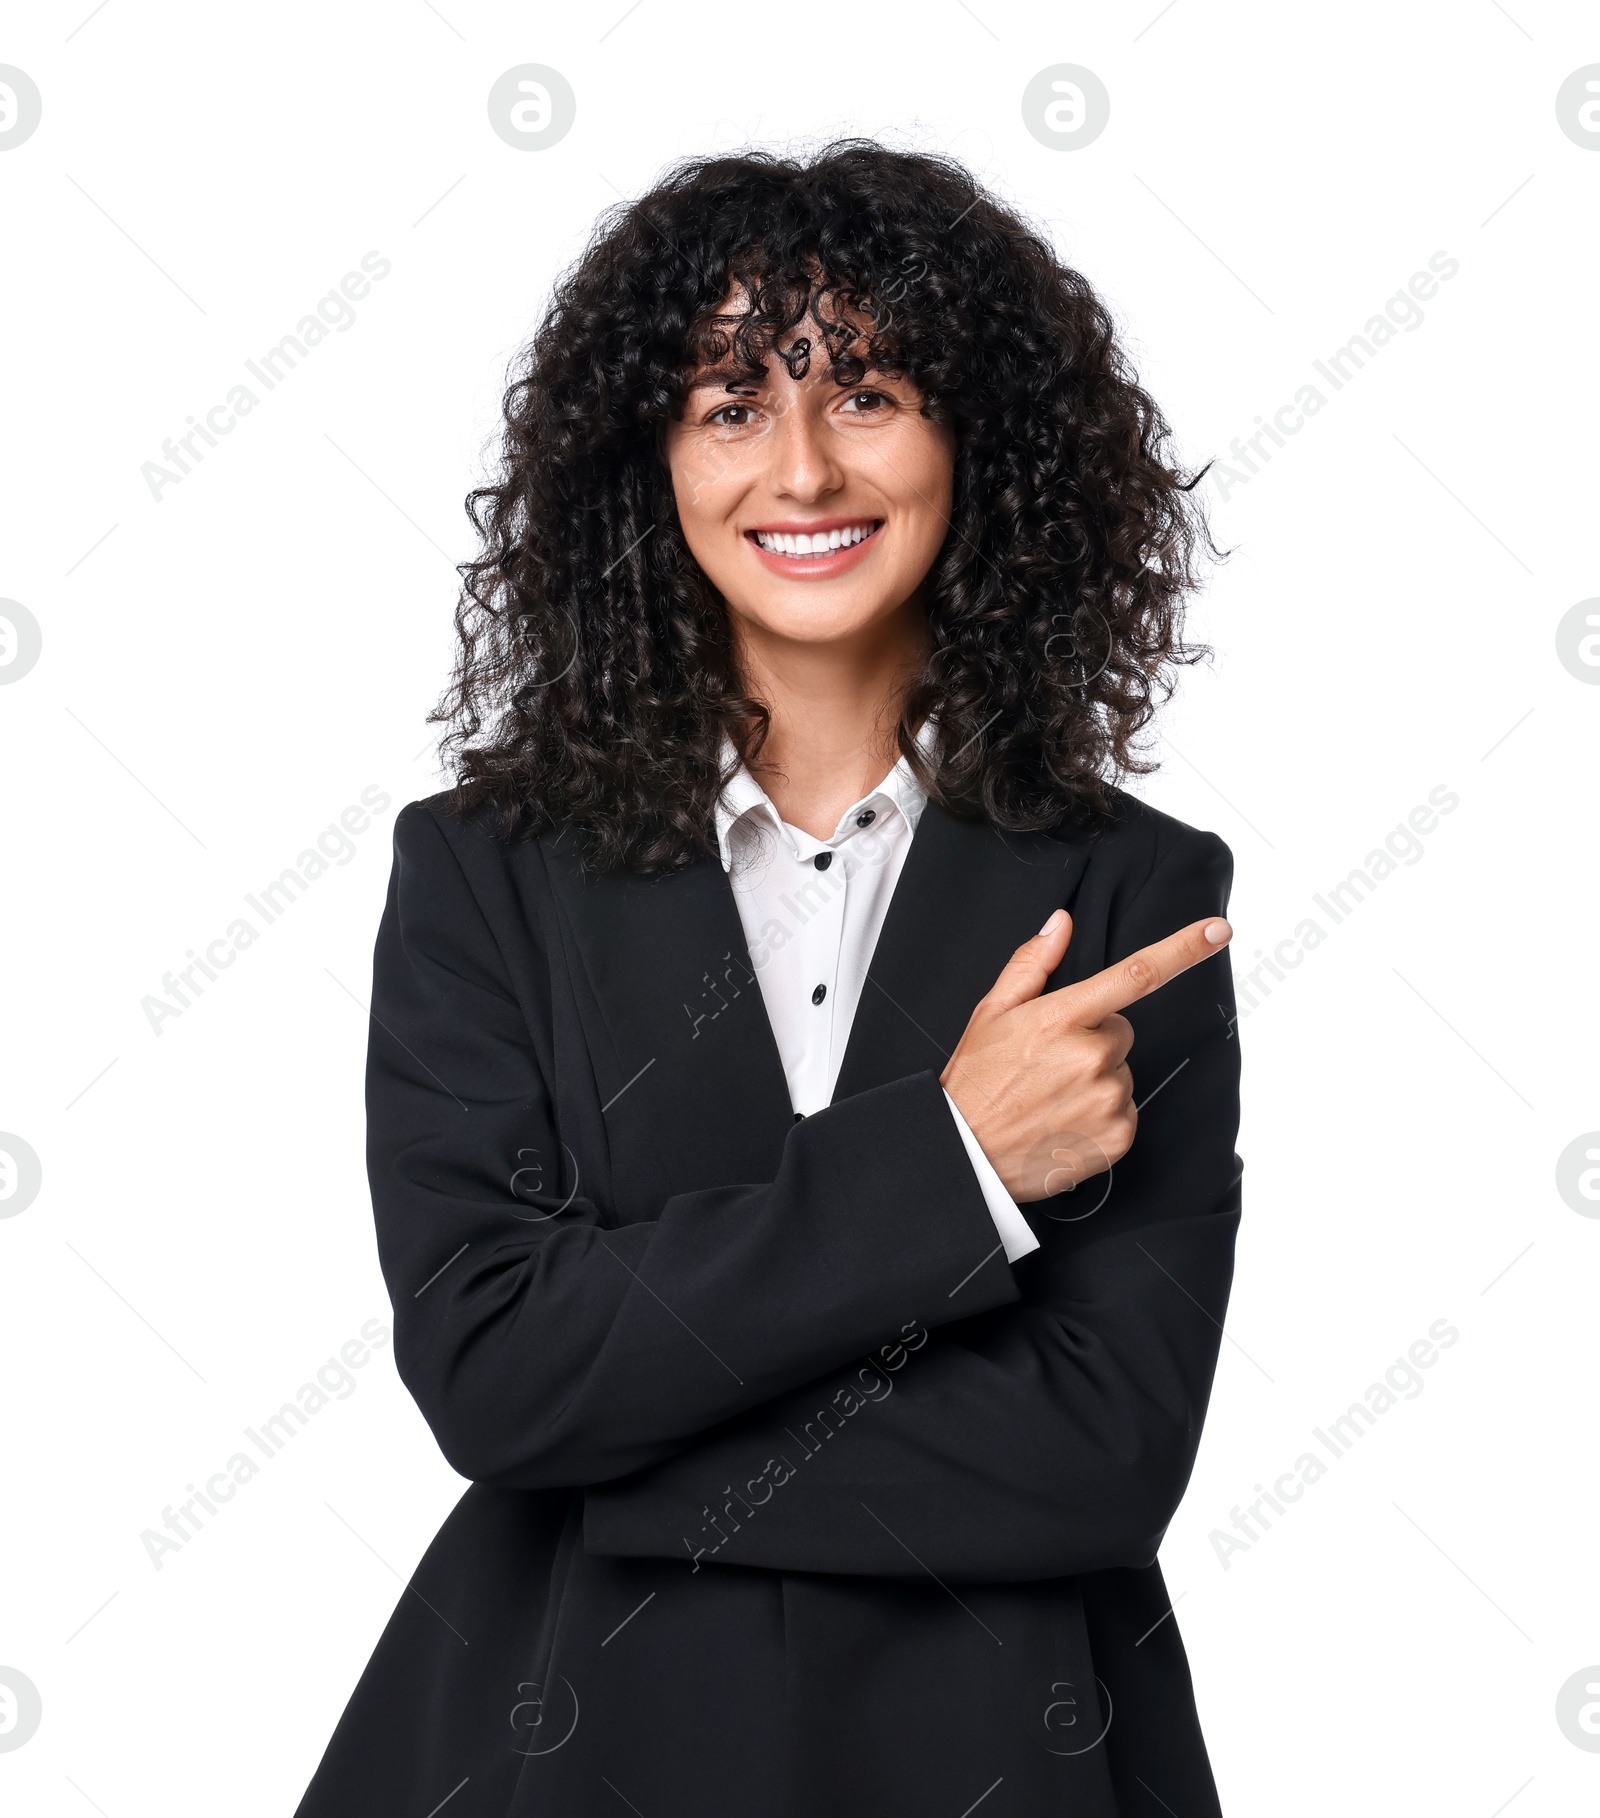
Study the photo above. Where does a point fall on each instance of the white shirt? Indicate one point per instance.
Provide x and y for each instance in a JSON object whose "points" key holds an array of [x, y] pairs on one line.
{"points": [[811, 933]]}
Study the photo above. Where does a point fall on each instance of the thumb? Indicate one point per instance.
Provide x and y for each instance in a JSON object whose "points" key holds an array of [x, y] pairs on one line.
{"points": [[1023, 975]]}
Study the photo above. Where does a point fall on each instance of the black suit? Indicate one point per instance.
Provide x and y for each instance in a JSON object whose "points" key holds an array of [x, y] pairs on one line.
{"points": [[791, 1497]]}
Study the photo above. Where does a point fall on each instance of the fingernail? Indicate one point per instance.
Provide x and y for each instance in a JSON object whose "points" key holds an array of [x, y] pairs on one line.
{"points": [[1054, 922], [1217, 932]]}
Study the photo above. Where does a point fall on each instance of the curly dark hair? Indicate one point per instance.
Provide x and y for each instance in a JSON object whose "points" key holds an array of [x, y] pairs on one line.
{"points": [[595, 679]]}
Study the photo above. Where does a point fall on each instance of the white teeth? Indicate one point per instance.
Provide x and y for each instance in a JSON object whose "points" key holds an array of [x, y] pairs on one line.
{"points": [[782, 542]]}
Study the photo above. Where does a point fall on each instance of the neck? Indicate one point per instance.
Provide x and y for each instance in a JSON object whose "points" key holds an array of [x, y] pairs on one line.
{"points": [[834, 713]]}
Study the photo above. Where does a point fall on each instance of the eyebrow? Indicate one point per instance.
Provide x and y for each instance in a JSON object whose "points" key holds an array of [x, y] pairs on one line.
{"points": [[726, 377]]}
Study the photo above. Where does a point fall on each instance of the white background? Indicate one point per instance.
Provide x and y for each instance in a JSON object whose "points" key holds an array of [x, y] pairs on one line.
{"points": [[224, 670]]}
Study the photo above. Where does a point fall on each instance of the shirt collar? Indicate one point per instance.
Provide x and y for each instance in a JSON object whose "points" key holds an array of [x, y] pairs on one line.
{"points": [[743, 796]]}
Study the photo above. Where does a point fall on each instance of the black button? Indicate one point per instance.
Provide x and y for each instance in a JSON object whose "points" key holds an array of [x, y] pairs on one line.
{"points": [[823, 860], [819, 994], [798, 1116], [866, 817]]}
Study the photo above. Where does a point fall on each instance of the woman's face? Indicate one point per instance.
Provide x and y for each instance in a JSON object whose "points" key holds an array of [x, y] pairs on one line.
{"points": [[816, 509]]}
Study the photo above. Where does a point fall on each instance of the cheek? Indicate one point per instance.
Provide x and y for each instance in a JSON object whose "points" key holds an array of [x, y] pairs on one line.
{"points": [[704, 496], [692, 480], [920, 475]]}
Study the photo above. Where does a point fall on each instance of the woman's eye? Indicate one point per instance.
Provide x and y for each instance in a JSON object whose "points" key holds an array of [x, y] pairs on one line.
{"points": [[864, 403], [732, 416]]}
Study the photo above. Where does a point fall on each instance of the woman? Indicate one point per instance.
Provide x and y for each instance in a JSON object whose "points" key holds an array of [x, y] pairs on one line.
{"points": [[752, 1112]]}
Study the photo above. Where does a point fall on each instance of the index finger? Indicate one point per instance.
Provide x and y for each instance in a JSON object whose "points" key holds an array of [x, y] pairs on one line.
{"points": [[1147, 970]]}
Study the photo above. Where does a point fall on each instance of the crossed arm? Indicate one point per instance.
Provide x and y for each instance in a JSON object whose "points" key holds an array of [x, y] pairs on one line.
{"points": [[1047, 1422], [1040, 1440]]}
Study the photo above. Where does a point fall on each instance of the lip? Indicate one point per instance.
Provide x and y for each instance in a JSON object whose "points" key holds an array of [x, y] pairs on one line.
{"points": [[812, 568]]}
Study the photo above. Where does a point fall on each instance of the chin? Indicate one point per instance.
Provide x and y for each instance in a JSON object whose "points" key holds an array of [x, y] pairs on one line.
{"points": [[822, 623]]}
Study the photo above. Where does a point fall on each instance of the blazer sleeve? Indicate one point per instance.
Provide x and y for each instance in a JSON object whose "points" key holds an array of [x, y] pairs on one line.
{"points": [[549, 1345], [1052, 1437]]}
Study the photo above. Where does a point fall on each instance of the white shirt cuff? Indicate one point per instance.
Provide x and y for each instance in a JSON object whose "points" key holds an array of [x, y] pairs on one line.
{"points": [[1014, 1230]]}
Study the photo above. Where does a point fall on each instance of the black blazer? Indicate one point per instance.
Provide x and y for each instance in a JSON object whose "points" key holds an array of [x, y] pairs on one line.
{"points": [[790, 1497]]}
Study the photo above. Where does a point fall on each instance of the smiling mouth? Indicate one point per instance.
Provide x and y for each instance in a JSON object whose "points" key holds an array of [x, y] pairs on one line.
{"points": [[800, 546]]}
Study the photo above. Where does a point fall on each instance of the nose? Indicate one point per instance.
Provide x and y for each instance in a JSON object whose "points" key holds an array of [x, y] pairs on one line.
{"points": [[804, 463]]}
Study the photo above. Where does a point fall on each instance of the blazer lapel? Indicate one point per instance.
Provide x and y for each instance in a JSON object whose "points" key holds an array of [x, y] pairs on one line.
{"points": [[968, 897], [686, 1067]]}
